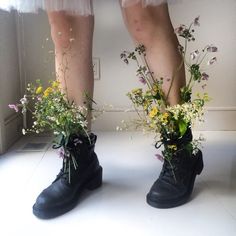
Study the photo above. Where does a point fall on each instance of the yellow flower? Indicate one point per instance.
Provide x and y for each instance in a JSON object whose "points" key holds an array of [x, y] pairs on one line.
{"points": [[165, 115], [164, 118], [155, 88], [47, 91], [173, 147], [153, 125], [39, 90], [153, 112], [206, 97], [55, 84], [137, 91]]}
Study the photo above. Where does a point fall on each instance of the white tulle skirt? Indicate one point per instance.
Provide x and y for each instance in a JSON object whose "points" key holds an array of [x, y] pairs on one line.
{"points": [[81, 7]]}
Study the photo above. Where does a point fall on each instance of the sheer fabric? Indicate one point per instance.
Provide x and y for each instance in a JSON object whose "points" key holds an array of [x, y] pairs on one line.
{"points": [[81, 7]]}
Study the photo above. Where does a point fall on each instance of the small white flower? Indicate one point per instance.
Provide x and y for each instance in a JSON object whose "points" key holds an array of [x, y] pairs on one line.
{"points": [[194, 54], [24, 100], [118, 128], [23, 131]]}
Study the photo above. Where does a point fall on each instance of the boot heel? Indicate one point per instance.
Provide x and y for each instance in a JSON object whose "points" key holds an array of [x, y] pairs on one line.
{"points": [[96, 181], [200, 164]]}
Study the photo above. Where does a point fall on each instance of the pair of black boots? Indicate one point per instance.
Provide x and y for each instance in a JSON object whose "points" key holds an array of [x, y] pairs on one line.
{"points": [[172, 188]]}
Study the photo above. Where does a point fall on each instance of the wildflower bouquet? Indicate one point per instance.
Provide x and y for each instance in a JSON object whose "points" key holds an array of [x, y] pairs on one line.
{"points": [[52, 111], [151, 103]]}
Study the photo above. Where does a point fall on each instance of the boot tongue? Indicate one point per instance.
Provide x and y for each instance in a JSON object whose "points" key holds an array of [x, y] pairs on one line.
{"points": [[76, 155]]}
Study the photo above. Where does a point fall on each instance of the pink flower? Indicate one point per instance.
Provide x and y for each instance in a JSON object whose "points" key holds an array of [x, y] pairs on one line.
{"points": [[196, 21], [212, 61], [205, 76], [179, 30], [142, 80], [159, 157], [13, 106], [61, 152]]}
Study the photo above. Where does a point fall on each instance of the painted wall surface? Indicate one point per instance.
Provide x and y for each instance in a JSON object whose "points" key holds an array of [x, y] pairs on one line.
{"points": [[9, 80]]}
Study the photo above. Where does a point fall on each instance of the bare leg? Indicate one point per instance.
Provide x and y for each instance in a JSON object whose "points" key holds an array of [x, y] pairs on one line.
{"points": [[151, 26], [72, 37]]}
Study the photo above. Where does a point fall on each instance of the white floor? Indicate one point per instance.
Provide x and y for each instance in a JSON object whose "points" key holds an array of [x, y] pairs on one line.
{"points": [[119, 207]]}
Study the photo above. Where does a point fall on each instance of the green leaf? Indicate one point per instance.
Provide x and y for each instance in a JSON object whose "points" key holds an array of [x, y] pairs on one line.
{"points": [[185, 94], [182, 127]]}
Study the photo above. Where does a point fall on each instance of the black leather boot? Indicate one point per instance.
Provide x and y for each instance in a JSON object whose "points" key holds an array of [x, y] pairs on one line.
{"points": [[175, 183], [77, 175]]}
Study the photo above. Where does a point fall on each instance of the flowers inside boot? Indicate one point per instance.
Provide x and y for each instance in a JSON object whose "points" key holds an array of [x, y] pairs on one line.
{"points": [[172, 124]]}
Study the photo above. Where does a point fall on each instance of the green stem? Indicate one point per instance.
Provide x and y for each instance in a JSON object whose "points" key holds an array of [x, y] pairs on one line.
{"points": [[202, 58]]}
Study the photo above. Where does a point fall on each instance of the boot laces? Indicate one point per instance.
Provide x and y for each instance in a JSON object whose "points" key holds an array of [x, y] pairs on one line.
{"points": [[68, 168], [171, 169]]}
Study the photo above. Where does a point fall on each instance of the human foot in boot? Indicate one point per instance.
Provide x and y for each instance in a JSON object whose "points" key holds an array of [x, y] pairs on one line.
{"points": [[80, 174], [175, 183]]}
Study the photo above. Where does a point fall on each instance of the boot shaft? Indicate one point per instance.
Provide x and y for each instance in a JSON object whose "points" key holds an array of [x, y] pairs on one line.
{"points": [[82, 147]]}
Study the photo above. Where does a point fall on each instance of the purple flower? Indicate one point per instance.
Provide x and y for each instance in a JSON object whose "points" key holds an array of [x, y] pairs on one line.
{"points": [[179, 30], [126, 61], [205, 76], [123, 56], [196, 21], [194, 54], [212, 61], [142, 80], [61, 152], [13, 106], [159, 157], [181, 49], [212, 48]]}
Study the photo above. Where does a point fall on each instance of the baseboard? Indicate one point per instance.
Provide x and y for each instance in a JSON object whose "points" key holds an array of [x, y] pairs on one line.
{"points": [[216, 119], [12, 130]]}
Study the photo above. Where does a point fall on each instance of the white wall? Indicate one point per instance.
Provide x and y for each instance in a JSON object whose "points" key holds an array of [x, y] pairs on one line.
{"points": [[218, 20], [10, 122]]}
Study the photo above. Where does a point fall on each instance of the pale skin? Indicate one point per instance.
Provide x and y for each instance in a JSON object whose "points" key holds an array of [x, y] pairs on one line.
{"points": [[150, 26]]}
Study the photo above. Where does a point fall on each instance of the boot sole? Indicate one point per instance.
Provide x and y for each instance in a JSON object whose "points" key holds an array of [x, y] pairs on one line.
{"points": [[93, 183], [184, 199]]}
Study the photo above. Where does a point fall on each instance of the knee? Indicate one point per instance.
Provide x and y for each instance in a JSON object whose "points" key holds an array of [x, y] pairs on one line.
{"points": [[61, 29], [145, 24], [141, 28]]}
